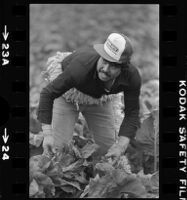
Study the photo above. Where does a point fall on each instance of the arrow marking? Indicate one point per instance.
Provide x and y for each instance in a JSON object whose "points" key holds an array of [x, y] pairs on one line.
{"points": [[5, 33], [5, 136]]}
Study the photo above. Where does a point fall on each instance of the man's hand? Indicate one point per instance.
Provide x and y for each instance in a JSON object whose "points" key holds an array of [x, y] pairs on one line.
{"points": [[117, 149], [48, 142]]}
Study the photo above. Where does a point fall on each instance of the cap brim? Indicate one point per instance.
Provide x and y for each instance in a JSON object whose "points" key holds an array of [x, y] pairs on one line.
{"points": [[100, 50]]}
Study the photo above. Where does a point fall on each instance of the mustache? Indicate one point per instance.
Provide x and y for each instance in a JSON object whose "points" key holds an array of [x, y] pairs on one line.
{"points": [[107, 74]]}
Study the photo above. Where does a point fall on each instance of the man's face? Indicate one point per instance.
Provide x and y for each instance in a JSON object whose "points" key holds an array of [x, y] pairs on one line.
{"points": [[107, 70]]}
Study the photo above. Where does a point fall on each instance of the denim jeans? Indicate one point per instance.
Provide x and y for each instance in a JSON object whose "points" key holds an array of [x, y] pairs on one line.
{"points": [[100, 120]]}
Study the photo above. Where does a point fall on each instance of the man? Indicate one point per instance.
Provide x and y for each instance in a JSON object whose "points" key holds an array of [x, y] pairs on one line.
{"points": [[97, 72]]}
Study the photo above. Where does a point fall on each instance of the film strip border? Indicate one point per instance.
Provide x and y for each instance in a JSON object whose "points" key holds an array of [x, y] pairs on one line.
{"points": [[173, 77], [15, 98], [172, 72]]}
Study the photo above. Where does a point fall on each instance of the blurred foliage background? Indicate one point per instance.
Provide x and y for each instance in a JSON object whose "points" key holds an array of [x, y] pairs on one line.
{"points": [[66, 27]]}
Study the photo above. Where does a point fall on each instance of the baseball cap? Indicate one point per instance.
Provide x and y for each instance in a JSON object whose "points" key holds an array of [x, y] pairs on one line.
{"points": [[117, 48]]}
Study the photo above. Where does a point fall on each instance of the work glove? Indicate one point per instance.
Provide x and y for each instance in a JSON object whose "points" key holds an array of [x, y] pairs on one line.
{"points": [[118, 148], [48, 142]]}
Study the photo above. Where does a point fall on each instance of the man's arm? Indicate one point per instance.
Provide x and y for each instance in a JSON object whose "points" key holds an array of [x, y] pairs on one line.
{"points": [[53, 90], [72, 76], [131, 119]]}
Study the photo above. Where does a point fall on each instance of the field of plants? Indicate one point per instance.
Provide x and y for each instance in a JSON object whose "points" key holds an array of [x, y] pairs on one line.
{"points": [[76, 172]]}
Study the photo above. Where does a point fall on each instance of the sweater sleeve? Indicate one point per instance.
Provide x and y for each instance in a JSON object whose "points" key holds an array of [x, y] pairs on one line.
{"points": [[131, 119], [53, 90], [73, 75]]}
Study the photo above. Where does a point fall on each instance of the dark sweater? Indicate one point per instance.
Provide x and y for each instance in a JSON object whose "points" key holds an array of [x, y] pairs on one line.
{"points": [[79, 71]]}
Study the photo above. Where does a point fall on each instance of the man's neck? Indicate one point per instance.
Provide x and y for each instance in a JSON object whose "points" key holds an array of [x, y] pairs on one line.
{"points": [[108, 84]]}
